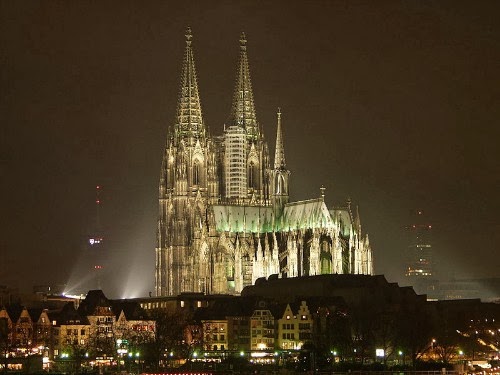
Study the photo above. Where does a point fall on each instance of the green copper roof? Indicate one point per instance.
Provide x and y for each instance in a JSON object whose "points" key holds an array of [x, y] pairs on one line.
{"points": [[243, 219], [307, 214]]}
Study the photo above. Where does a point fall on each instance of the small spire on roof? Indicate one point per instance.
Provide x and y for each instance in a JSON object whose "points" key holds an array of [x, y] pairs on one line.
{"points": [[279, 155], [322, 189]]}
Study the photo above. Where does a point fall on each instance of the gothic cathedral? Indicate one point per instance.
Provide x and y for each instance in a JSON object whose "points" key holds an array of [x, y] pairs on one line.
{"points": [[225, 218]]}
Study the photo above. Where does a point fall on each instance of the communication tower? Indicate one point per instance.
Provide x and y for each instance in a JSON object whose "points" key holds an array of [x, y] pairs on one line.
{"points": [[95, 243]]}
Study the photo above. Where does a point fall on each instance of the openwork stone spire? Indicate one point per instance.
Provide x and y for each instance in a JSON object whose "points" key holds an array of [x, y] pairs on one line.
{"points": [[243, 109], [279, 154], [189, 124]]}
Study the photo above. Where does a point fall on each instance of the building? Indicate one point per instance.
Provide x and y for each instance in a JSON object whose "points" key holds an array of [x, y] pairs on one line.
{"points": [[487, 289], [295, 327], [262, 330], [419, 269], [225, 218], [419, 247], [91, 334], [253, 327]]}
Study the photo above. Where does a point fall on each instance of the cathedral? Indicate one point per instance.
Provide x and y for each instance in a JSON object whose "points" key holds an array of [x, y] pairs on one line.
{"points": [[225, 218]]}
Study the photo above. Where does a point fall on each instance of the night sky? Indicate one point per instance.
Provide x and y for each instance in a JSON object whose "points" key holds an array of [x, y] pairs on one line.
{"points": [[395, 104]]}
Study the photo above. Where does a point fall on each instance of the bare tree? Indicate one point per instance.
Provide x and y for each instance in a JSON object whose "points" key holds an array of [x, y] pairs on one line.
{"points": [[169, 337]]}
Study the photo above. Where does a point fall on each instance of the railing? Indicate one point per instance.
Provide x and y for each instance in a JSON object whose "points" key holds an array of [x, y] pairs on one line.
{"points": [[357, 372], [391, 372]]}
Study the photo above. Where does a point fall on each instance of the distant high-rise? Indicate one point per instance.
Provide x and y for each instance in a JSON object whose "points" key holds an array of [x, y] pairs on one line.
{"points": [[419, 247], [225, 219]]}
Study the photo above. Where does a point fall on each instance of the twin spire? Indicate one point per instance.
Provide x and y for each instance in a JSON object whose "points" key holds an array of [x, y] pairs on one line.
{"points": [[189, 122], [243, 109], [189, 117]]}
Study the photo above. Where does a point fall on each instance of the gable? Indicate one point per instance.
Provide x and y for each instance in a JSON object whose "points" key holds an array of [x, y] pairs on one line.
{"points": [[308, 214]]}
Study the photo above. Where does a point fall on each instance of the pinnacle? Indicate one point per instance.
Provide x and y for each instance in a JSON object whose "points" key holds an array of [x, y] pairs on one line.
{"points": [[243, 41], [279, 156], [189, 36], [189, 115], [243, 110]]}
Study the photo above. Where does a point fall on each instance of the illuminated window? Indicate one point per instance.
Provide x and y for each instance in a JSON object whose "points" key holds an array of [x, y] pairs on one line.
{"points": [[54, 322], [182, 303]]}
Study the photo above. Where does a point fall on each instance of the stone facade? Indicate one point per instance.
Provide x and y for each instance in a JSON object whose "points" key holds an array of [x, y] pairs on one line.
{"points": [[225, 219]]}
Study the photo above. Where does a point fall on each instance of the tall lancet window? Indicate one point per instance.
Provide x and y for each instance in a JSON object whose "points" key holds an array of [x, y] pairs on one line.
{"points": [[196, 173], [252, 176], [280, 188]]}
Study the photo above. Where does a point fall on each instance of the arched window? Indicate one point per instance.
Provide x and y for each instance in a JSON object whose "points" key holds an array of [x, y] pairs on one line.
{"points": [[280, 184], [196, 173], [251, 175]]}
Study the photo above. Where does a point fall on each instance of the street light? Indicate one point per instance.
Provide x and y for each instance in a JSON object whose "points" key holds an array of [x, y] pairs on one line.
{"points": [[433, 349]]}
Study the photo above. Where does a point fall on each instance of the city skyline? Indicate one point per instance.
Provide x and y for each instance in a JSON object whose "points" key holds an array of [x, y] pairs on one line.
{"points": [[398, 102]]}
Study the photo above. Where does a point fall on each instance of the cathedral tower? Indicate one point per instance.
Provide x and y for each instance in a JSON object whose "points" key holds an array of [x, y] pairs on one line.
{"points": [[188, 180], [246, 156]]}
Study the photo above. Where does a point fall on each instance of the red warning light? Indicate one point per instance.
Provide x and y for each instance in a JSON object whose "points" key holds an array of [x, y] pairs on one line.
{"points": [[98, 201], [97, 187]]}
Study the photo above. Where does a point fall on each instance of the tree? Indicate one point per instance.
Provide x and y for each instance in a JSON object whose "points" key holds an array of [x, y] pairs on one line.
{"points": [[363, 327], [339, 334], [415, 327], [169, 337], [385, 333]]}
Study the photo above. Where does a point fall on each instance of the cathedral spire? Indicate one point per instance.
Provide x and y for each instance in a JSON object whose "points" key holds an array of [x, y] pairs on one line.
{"points": [[189, 123], [279, 154], [243, 109]]}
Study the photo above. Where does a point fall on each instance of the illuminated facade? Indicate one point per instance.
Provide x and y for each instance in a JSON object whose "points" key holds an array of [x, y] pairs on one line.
{"points": [[224, 213], [295, 327], [262, 328]]}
